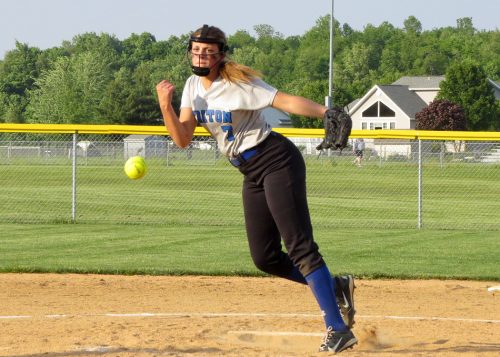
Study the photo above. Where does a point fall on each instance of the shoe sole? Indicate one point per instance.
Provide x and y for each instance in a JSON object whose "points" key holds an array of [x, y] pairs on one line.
{"points": [[349, 345]]}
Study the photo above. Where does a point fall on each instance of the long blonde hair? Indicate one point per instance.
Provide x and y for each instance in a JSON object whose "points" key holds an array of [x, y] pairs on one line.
{"points": [[228, 69], [235, 72]]}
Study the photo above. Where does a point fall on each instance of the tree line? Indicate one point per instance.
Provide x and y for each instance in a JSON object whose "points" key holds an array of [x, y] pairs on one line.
{"points": [[99, 79]]}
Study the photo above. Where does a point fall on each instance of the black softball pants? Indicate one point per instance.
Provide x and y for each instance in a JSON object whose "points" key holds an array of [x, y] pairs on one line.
{"points": [[276, 209]]}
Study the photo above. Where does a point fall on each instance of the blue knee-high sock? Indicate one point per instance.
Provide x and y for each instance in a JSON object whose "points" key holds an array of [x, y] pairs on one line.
{"points": [[297, 277], [320, 282]]}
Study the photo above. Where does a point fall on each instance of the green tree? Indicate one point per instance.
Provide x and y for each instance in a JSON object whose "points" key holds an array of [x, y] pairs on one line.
{"points": [[392, 57], [464, 24], [120, 86], [113, 105], [71, 91], [247, 55], [312, 58], [137, 49], [18, 72], [413, 25], [352, 70], [141, 102], [466, 84], [488, 52], [315, 90], [175, 67], [376, 39], [431, 60], [266, 36], [240, 39], [12, 108], [107, 46], [129, 98]]}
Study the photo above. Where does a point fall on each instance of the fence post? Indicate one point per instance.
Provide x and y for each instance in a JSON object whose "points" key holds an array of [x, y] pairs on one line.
{"points": [[73, 200], [168, 152], [441, 155], [419, 224]]}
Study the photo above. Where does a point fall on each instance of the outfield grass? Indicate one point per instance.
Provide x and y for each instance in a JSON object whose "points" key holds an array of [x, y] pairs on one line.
{"points": [[188, 219], [210, 250], [341, 195]]}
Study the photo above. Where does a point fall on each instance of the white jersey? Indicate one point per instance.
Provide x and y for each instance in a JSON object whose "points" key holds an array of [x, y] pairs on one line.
{"points": [[359, 144], [231, 112]]}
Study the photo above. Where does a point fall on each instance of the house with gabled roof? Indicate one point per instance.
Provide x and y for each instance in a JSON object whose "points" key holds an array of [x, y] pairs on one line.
{"points": [[394, 106]]}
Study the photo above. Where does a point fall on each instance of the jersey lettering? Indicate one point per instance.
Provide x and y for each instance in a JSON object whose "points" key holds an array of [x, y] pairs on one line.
{"points": [[216, 116], [212, 116], [198, 116], [229, 130]]}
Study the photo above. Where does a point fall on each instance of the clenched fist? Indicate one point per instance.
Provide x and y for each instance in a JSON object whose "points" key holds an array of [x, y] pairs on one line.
{"points": [[165, 91]]}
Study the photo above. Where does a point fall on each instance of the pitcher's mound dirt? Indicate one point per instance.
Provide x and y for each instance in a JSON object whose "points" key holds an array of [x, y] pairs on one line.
{"points": [[102, 315]]}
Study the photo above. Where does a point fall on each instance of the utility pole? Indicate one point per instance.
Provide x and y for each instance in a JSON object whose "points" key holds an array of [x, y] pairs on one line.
{"points": [[329, 97]]}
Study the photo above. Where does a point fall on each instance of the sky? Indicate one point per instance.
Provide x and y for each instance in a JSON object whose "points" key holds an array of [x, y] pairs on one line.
{"points": [[47, 23]]}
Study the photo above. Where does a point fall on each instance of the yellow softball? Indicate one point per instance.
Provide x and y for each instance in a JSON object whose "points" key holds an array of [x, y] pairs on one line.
{"points": [[135, 167]]}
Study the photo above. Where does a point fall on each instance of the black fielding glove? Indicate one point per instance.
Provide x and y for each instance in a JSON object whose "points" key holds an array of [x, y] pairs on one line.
{"points": [[338, 125]]}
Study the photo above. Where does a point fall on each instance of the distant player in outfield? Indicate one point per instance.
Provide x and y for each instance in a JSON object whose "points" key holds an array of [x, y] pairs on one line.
{"points": [[226, 98], [358, 147]]}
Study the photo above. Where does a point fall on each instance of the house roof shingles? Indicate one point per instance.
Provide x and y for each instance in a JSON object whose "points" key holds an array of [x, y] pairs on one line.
{"points": [[427, 82], [408, 101]]}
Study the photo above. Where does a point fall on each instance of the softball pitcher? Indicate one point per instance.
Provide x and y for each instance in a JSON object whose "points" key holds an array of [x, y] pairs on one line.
{"points": [[226, 98]]}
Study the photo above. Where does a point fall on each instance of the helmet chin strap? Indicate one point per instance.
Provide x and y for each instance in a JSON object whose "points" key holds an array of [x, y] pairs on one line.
{"points": [[200, 71], [204, 71]]}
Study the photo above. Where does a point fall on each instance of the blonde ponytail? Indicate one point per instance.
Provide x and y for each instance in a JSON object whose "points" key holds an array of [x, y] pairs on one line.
{"points": [[235, 72]]}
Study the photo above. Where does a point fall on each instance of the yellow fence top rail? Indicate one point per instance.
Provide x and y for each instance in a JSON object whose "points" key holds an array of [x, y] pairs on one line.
{"points": [[291, 132]]}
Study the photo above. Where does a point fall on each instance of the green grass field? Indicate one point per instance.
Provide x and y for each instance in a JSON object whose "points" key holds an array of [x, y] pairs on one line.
{"points": [[187, 219], [205, 250], [458, 196]]}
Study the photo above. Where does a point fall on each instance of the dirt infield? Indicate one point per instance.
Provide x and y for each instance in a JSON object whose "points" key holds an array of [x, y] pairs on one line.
{"points": [[102, 315]]}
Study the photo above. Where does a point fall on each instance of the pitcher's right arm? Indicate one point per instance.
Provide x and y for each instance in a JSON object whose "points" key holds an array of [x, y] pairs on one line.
{"points": [[181, 128]]}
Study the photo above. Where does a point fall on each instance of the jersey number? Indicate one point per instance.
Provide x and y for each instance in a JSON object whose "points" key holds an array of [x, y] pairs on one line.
{"points": [[229, 130]]}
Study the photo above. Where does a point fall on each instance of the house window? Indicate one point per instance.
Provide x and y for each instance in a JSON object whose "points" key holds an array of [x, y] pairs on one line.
{"points": [[371, 112], [379, 125], [364, 125], [379, 110], [385, 111]]}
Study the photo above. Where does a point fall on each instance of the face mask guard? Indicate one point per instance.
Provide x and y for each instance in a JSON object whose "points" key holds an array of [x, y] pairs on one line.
{"points": [[203, 38]]}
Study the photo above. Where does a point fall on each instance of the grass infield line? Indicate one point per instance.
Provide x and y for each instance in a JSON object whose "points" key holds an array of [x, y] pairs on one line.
{"points": [[257, 314]]}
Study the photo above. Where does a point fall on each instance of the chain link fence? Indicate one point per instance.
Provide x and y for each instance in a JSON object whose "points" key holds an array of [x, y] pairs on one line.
{"points": [[47, 178]]}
